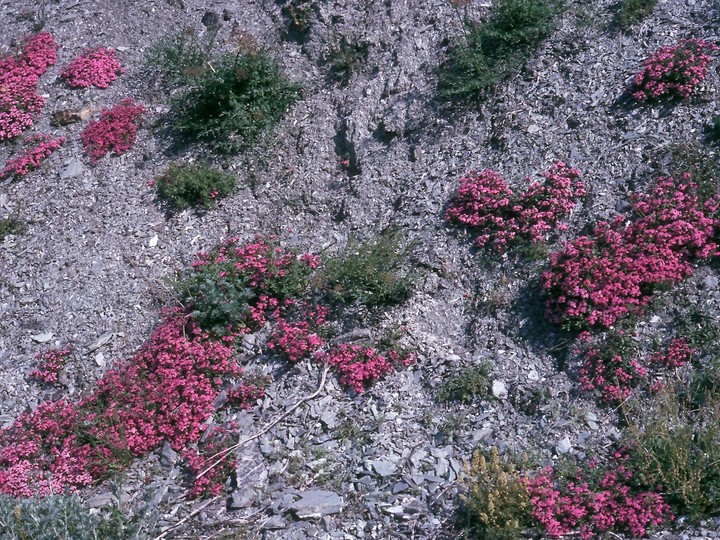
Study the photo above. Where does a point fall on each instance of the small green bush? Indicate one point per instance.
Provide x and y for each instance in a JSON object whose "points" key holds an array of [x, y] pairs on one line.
{"points": [[496, 504], [232, 104], [490, 52], [466, 384], [369, 272], [178, 57], [183, 186], [59, 517], [344, 58], [10, 226], [632, 11], [676, 444], [690, 157]]}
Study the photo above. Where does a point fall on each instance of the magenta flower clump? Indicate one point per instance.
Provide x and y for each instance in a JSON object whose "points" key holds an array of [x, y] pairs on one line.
{"points": [[31, 158], [19, 76], [595, 280], [115, 131], [498, 217], [98, 68], [673, 71]]}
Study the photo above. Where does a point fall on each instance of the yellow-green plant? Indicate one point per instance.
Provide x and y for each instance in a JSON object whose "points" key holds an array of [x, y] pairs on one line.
{"points": [[496, 502]]}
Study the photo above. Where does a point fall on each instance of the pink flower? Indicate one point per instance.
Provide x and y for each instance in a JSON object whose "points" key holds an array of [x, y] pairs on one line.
{"points": [[115, 131], [97, 68]]}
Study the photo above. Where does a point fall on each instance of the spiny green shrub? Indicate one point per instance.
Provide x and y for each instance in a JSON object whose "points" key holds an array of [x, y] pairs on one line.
{"points": [[10, 226], [466, 384], [179, 57], [632, 11], [676, 444], [490, 52], [496, 503], [199, 184], [369, 272], [231, 105], [59, 517]]}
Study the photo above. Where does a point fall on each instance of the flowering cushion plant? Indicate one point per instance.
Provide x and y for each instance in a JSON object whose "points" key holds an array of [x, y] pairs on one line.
{"points": [[19, 76], [51, 363], [97, 68], [115, 131], [673, 71], [31, 158], [595, 501], [166, 392], [595, 280], [498, 217]]}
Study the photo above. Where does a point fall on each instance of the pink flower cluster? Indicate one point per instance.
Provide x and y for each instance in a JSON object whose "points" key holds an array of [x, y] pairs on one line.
{"points": [[204, 454], [32, 158], [260, 262], [610, 503], [166, 392], [359, 366], [114, 132], [265, 269], [298, 340], [614, 370], [486, 204], [613, 373], [19, 76], [674, 70], [677, 355], [596, 280], [43, 453], [51, 363], [97, 68]]}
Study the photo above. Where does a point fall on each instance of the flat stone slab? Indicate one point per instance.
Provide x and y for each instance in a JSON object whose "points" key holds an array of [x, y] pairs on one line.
{"points": [[317, 503]]}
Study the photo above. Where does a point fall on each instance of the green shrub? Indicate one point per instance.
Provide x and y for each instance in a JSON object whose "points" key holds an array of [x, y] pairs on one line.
{"points": [[699, 330], [632, 11], [178, 57], [490, 52], [676, 444], [690, 157], [59, 517], [496, 504], [10, 226], [344, 58], [232, 104], [183, 186], [466, 384], [369, 272]]}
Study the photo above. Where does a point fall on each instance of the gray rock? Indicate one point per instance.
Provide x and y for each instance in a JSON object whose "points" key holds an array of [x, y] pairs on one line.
{"points": [[415, 506], [274, 523], [400, 486], [73, 170], [499, 390], [242, 498], [102, 500], [564, 446], [317, 503], [168, 456], [383, 468]]}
